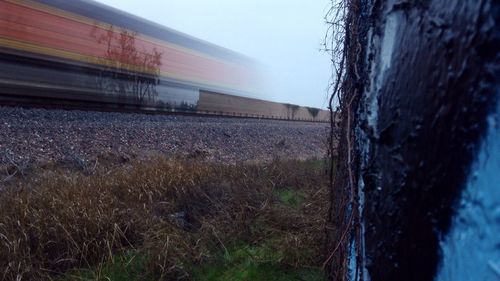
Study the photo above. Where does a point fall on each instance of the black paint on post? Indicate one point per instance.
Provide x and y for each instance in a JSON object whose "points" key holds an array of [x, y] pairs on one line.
{"points": [[430, 75]]}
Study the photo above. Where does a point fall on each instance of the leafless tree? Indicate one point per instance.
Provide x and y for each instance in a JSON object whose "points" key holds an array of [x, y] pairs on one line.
{"points": [[292, 110], [128, 71]]}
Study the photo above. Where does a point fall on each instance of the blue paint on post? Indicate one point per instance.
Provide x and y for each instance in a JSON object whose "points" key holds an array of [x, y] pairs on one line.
{"points": [[471, 250]]}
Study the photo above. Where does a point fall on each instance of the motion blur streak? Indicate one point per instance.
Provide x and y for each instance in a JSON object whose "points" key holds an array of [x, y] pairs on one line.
{"points": [[88, 52]]}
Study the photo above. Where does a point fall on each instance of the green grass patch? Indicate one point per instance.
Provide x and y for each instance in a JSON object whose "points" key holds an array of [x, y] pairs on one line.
{"points": [[240, 263], [122, 267], [291, 197], [256, 263]]}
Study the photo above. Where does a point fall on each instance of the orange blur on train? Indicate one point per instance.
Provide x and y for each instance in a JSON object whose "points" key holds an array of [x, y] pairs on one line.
{"points": [[85, 54]]}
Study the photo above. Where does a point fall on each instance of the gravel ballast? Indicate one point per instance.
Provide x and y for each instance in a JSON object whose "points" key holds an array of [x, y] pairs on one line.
{"points": [[37, 137]]}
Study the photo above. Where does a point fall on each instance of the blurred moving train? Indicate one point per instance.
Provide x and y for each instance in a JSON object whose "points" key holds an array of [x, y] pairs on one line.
{"points": [[83, 53]]}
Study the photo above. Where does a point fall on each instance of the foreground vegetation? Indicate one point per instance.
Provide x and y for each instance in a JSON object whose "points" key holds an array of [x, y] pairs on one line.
{"points": [[167, 220]]}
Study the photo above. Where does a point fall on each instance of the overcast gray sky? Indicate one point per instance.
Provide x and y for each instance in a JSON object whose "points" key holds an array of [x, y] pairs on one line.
{"points": [[283, 35]]}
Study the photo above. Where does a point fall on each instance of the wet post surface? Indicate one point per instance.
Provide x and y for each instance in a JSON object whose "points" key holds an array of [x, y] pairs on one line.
{"points": [[430, 80]]}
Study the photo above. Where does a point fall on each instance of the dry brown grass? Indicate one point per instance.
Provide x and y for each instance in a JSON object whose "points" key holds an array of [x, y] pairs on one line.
{"points": [[62, 220]]}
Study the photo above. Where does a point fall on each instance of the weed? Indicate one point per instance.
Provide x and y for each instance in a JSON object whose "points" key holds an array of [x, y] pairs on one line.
{"points": [[291, 197], [121, 267], [257, 264], [152, 219]]}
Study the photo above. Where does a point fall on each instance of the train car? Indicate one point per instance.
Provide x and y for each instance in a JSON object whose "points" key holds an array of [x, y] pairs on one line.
{"points": [[81, 52]]}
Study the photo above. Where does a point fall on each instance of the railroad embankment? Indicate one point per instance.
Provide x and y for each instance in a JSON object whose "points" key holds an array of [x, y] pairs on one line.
{"points": [[31, 138]]}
